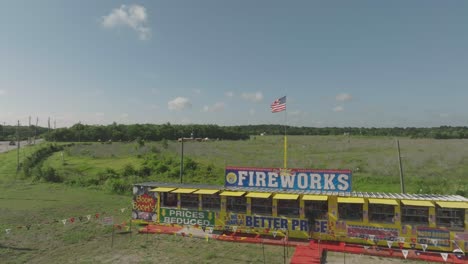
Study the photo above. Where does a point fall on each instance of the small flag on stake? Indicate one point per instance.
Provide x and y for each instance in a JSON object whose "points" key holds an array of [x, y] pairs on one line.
{"points": [[444, 256], [424, 246], [371, 237], [203, 227], [122, 210], [274, 233], [405, 253], [8, 230], [88, 217], [28, 226], [72, 220], [64, 221], [210, 230]]}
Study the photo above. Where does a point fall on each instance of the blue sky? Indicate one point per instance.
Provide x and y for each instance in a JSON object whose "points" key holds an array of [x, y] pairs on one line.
{"points": [[340, 63]]}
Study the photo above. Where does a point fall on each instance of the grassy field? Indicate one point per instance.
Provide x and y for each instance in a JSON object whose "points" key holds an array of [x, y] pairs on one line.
{"points": [[429, 166]]}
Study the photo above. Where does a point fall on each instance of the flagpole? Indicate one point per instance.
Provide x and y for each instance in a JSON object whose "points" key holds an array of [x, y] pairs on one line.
{"points": [[285, 140]]}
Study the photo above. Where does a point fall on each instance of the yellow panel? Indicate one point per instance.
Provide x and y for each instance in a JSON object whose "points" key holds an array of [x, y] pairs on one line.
{"points": [[181, 190], [417, 203], [383, 201], [352, 200], [228, 193], [308, 197], [162, 189], [283, 196], [206, 191], [460, 205], [258, 195]]}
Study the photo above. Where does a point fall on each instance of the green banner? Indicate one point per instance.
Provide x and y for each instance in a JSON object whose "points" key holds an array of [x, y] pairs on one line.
{"points": [[186, 217]]}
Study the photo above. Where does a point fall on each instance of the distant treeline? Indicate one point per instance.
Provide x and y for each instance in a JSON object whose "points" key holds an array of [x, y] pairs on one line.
{"points": [[442, 132], [8, 133], [152, 132]]}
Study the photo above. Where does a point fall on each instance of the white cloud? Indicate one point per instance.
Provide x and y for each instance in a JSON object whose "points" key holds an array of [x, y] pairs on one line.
{"points": [[229, 94], [217, 107], [3, 92], [179, 103], [253, 97], [133, 16], [343, 97], [338, 108]]}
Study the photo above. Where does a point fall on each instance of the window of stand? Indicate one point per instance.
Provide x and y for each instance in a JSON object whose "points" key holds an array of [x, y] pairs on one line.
{"points": [[317, 209], [236, 204], [261, 206], [288, 208], [416, 215], [189, 201], [169, 199], [451, 218], [350, 211], [382, 213], [211, 202]]}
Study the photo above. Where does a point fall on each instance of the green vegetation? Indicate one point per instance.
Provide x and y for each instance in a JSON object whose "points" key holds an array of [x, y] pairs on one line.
{"points": [[93, 177]]}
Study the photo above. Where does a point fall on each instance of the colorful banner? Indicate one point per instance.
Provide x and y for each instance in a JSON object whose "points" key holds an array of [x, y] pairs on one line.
{"points": [[144, 203], [186, 217], [433, 236], [381, 233], [289, 179]]}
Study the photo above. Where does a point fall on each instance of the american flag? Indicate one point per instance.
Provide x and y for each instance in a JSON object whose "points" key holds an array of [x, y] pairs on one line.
{"points": [[278, 105]]}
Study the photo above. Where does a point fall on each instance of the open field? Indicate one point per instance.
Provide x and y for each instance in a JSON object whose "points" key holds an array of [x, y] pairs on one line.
{"points": [[430, 165]]}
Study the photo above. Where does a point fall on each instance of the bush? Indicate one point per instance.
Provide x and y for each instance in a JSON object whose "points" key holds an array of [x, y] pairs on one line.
{"points": [[118, 186]]}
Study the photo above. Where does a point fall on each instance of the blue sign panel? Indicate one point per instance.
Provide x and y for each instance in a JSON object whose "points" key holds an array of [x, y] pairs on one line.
{"points": [[289, 179]]}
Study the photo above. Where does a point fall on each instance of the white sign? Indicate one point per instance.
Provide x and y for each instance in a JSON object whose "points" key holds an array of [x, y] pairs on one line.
{"points": [[405, 253], [389, 244], [424, 246]]}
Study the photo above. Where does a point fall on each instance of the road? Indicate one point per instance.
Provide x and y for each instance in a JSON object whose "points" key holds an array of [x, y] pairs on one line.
{"points": [[5, 145]]}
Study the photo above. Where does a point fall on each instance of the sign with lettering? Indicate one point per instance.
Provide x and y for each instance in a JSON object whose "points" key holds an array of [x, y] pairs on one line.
{"points": [[267, 222], [433, 236], [186, 217], [289, 179], [381, 233]]}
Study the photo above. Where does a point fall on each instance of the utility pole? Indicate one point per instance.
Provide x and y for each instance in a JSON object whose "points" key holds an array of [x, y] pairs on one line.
{"points": [[35, 129], [18, 148], [29, 130], [402, 183], [182, 160]]}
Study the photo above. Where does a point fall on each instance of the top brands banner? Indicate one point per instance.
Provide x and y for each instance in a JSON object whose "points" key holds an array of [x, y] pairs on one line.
{"points": [[289, 179]]}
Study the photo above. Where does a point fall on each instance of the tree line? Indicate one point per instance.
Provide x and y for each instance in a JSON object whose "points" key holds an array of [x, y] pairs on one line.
{"points": [[168, 131], [442, 132], [9, 133]]}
